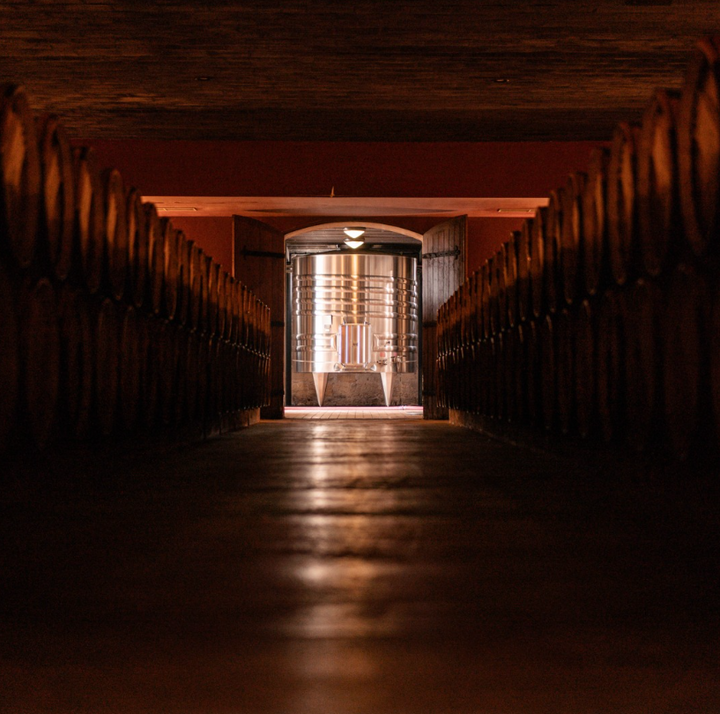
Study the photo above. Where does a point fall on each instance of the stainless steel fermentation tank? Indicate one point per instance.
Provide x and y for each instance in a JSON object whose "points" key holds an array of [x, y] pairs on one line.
{"points": [[355, 312]]}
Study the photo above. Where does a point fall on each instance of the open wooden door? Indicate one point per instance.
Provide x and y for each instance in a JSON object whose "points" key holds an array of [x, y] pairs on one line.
{"points": [[259, 262], [443, 271]]}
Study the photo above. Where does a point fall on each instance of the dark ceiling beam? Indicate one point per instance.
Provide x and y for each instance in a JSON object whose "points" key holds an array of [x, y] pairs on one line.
{"points": [[360, 71]]}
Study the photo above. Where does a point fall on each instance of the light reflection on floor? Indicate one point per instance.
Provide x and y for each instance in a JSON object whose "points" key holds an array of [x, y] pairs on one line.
{"points": [[407, 412]]}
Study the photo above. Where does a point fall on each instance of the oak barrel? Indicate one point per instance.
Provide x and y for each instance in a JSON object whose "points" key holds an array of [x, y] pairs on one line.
{"points": [[40, 359], [494, 394], [214, 406], [585, 372], [658, 200], [137, 247], [89, 218], [508, 375], [181, 378], [184, 290], [501, 262], [532, 373], [20, 177], [685, 314], [206, 313], [548, 373], [511, 279], [537, 261], [58, 195], [496, 296], [520, 373], [643, 309], [713, 343], [594, 216], [130, 370], [572, 239], [151, 355], [486, 270], [621, 203], [9, 357], [231, 328], [698, 135], [77, 348], [565, 374], [222, 304], [474, 309], [156, 259], [191, 373], [482, 376], [107, 365], [197, 291], [610, 355], [171, 268], [552, 247], [115, 233], [523, 272], [202, 380], [168, 394]]}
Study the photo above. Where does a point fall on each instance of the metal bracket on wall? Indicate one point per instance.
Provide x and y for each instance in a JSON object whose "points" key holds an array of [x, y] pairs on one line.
{"points": [[455, 253], [260, 254]]}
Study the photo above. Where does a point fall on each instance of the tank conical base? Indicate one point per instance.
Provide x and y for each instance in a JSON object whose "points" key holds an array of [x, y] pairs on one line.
{"points": [[320, 379], [387, 384]]}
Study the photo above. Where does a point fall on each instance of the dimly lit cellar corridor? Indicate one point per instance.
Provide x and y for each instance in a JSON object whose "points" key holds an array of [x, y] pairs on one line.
{"points": [[492, 227], [369, 566]]}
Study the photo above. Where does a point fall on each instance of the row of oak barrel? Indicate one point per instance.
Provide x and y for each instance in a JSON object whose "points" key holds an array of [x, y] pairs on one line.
{"points": [[599, 316], [110, 319]]}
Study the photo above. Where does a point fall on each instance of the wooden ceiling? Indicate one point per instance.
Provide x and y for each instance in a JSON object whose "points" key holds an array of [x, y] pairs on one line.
{"points": [[362, 70]]}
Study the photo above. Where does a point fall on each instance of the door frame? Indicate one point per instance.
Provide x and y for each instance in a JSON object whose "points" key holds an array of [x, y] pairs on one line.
{"points": [[288, 293]]}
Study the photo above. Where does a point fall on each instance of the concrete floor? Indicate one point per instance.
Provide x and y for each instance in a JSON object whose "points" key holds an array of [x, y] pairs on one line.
{"points": [[356, 566]]}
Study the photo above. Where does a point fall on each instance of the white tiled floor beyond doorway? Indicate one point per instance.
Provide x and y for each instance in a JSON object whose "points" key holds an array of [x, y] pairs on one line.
{"points": [[354, 412]]}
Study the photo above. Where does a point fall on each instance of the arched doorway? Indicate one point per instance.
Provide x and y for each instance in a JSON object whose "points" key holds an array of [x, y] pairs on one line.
{"points": [[365, 292]]}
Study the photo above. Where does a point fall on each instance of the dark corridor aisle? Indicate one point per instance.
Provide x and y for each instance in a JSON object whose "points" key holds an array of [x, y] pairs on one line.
{"points": [[350, 566]]}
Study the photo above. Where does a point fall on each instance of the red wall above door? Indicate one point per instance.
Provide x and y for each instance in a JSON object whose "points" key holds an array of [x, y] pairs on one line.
{"points": [[230, 168]]}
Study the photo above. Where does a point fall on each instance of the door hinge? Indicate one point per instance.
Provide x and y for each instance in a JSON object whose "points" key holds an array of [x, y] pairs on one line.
{"points": [[455, 252]]}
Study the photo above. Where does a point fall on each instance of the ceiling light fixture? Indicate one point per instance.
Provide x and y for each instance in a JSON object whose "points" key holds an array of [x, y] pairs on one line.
{"points": [[353, 237]]}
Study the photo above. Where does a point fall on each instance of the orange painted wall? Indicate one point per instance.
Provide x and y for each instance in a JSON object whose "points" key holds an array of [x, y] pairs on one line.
{"points": [[485, 236], [212, 234]]}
